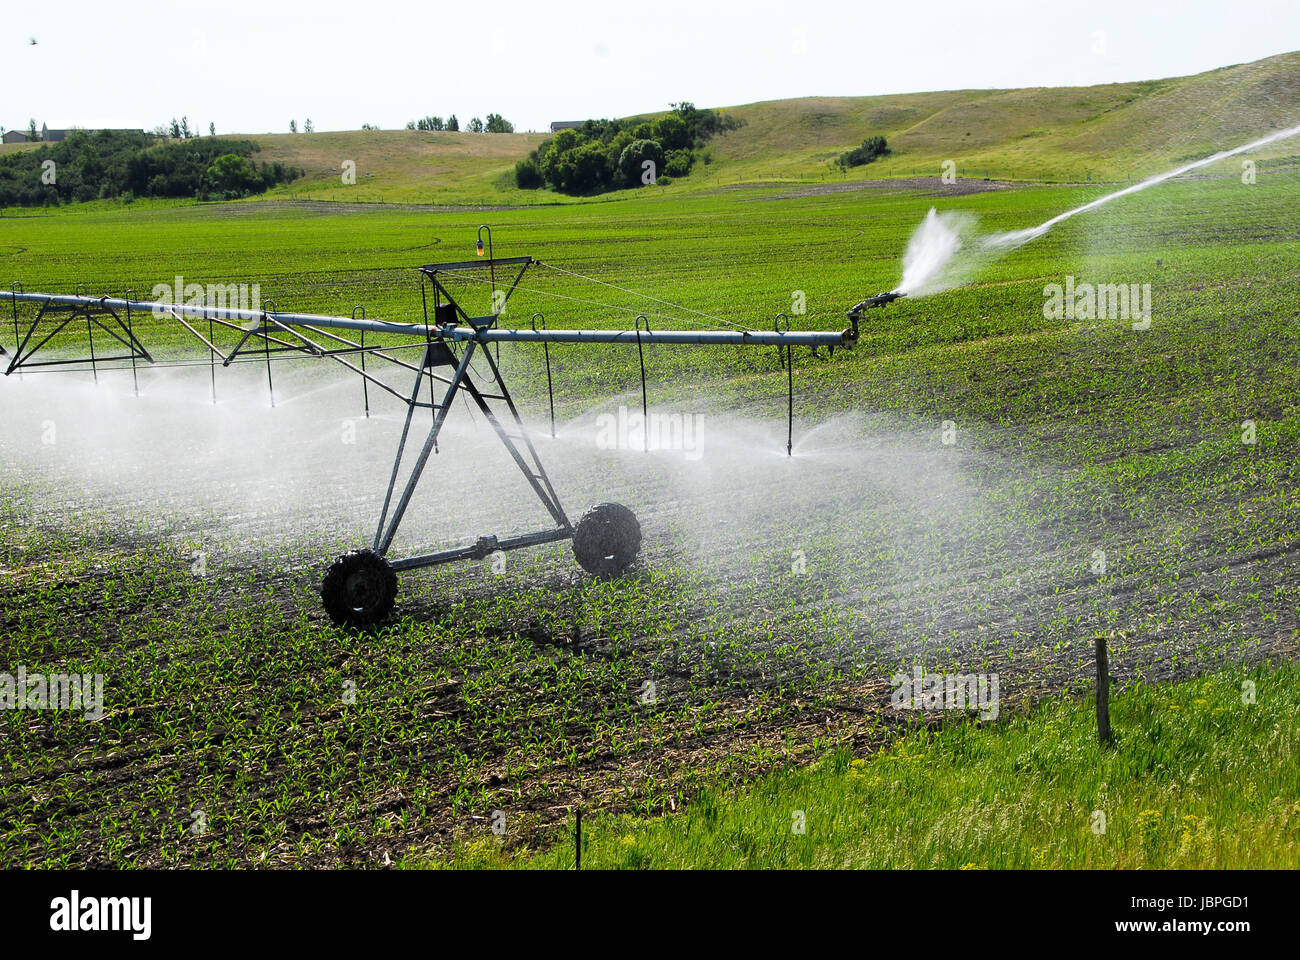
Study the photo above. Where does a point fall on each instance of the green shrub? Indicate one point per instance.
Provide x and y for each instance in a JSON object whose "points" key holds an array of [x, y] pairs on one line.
{"points": [[528, 176], [230, 175], [671, 132], [631, 163], [870, 149], [677, 163]]}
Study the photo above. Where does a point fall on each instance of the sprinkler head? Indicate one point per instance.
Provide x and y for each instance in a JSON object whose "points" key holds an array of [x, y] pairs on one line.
{"points": [[879, 300]]}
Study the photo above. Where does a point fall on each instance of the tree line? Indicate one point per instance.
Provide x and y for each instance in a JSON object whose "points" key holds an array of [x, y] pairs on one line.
{"points": [[495, 123], [176, 130], [112, 164]]}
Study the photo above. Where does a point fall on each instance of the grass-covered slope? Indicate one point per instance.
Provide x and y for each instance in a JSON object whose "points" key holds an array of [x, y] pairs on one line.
{"points": [[1112, 131], [1107, 132], [406, 166]]}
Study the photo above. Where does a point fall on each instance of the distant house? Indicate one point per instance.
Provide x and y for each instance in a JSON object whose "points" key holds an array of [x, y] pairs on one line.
{"points": [[566, 124]]}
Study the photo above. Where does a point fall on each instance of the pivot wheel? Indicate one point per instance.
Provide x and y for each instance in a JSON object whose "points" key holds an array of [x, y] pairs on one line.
{"points": [[606, 539], [359, 589]]}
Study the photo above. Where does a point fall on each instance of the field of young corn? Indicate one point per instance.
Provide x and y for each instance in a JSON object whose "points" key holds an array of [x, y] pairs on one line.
{"points": [[977, 488]]}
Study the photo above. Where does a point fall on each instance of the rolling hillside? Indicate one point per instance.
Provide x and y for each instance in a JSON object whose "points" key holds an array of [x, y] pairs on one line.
{"points": [[408, 166], [1054, 134], [1115, 131]]}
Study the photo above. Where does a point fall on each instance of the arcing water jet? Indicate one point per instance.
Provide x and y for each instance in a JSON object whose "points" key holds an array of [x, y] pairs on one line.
{"points": [[945, 250]]}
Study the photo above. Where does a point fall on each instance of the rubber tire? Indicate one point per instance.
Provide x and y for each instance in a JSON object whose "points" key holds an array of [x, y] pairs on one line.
{"points": [[606, 540], [359, 588]]}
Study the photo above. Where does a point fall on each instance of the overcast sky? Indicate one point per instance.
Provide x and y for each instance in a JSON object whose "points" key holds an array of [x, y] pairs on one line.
{"points": [[250, 65]]}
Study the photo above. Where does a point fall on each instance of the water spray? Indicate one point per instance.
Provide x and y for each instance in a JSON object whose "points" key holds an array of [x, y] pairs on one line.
{"points": [[945, 250], [359, 587]]}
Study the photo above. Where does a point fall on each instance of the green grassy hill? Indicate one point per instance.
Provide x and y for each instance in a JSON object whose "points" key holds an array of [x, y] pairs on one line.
{"points": [[1115, 131], [1111, 132], [406, 166]]}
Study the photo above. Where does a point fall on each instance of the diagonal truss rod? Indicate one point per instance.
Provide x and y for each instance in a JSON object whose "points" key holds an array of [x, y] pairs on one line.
{"points": [[384, 534], [530, 466], [90, 309], [537, 477]]}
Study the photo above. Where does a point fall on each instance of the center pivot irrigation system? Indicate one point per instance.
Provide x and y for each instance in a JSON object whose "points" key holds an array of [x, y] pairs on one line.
{"points": [[359, 587]]}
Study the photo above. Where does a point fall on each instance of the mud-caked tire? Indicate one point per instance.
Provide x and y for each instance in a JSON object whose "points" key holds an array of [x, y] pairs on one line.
{"points": [[607, 539], [359, 589]]}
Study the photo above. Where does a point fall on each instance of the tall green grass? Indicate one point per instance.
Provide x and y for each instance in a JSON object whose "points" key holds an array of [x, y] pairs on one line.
{"points": [[1198, 777]]}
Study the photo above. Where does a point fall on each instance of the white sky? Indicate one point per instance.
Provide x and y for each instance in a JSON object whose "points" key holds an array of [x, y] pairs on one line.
{"points": [[251, 65]]}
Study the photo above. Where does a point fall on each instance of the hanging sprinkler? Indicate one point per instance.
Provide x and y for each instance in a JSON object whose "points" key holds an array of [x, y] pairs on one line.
{"points": [[491, 262]]}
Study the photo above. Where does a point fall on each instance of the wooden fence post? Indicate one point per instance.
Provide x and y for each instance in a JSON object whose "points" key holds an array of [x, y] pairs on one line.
{"points": [[1103, 692]]}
